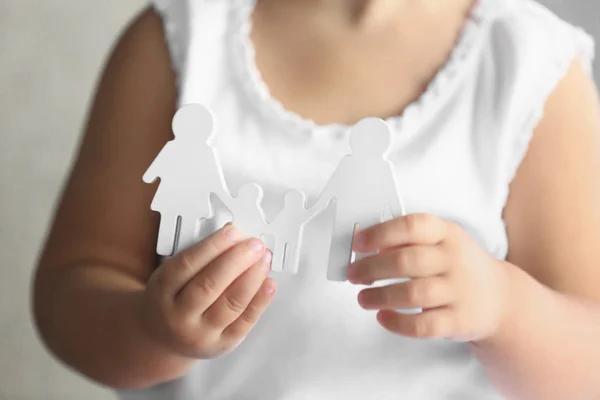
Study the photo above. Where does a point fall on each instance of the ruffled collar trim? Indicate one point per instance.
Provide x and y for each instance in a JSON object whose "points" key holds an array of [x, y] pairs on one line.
{"points": [[415, 113]]}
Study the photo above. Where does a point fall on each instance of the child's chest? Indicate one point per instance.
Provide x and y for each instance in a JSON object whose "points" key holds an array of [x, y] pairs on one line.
{"points": [[338, 76]]}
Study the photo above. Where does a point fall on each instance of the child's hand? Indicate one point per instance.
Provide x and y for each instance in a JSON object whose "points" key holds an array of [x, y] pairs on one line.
{"points": [[461, 288], [203, 302]]}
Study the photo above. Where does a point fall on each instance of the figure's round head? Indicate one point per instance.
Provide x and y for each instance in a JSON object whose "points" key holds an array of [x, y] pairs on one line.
{"points": [[250, 193], [193, 120], [370, 137], [294, 199]]}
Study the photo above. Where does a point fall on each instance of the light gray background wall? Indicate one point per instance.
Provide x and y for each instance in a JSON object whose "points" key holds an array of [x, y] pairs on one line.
{"points": [[50, 55]]}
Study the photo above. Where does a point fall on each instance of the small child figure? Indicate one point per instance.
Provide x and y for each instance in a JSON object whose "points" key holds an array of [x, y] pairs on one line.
{"points": [[288, 227], [248, 215]]}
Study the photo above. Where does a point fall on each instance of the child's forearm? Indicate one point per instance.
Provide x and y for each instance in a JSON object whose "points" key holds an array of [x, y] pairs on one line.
{"points": [[89, 318], [547, 348]]}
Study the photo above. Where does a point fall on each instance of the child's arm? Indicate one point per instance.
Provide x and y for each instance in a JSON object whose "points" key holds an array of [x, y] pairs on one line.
{"points": [[95, 306], [549, 347], [100, 250]]}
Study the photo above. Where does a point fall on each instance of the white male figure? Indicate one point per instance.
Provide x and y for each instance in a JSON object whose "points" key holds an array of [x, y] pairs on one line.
{"points": [[362, 187], [288, 228], [190, 173]]}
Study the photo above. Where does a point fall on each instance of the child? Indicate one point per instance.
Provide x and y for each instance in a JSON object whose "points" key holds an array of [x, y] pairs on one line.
{"points": [[483, 96], [289, 225]]}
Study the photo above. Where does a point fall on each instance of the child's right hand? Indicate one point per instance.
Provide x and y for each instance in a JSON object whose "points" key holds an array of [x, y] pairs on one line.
{"points": [[202, 302]]}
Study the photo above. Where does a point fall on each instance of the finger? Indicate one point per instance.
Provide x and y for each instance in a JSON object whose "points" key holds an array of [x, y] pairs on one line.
{"points": [[206, 287], [404, 262], [412, 229], [238, 295], [437, 323], [177, 271], [418, 293], [242, 326]]}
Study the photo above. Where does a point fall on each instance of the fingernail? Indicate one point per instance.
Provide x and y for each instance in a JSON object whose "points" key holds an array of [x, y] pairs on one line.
{"points": [[267, 259], [270, 290], [231, 232], [256, 245], [361, 299]]}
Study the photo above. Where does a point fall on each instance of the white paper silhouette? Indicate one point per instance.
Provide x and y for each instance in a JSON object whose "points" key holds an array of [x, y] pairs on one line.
{"points": [[363, 187], [189, 172], [248, 215], [288, 228], [363, 190]]}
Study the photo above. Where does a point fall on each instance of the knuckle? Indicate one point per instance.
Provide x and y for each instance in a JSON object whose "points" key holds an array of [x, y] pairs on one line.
{"points": [[250, 317], [418, 293], [214, 243], [182, 331], [202, 344], [190, 337], [427, 220], [237, 331], [417, 257], [206, 285], [252, 313], [413, 294], [234, 305], [186, 261], [232, 341], [381, 296], [422, 328], [402, 259], [412, 222], [435, 328]]}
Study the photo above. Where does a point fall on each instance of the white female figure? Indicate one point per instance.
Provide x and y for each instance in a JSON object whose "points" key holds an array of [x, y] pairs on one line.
{"points": [[189, 172]]}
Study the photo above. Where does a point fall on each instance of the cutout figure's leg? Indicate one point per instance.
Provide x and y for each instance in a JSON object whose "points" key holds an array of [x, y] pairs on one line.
{"points": [[292, 254], [188, 233], [205, 228], [220, 213], [167, 233], [278, 255], [340, 252], [362, 225]]}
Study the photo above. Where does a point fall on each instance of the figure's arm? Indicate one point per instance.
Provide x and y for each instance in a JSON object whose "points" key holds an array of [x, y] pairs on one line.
{"points": [[329, 193], [228, 201], [323, 201], [548, 348], [100, 250], [152, 173], [225, 196], [317, 209]]}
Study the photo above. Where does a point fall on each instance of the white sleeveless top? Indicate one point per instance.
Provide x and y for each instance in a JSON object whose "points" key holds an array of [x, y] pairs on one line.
{"points": [[455, 150]]}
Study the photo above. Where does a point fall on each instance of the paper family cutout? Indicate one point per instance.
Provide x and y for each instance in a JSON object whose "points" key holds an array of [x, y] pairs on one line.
{"points": [[363, 190]]}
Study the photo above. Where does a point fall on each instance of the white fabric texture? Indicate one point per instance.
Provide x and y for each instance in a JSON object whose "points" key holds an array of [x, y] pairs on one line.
{"points": [[456, 150]]}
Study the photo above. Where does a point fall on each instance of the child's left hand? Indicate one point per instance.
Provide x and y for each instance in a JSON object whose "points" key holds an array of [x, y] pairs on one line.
{"points": [[461, 288]]}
